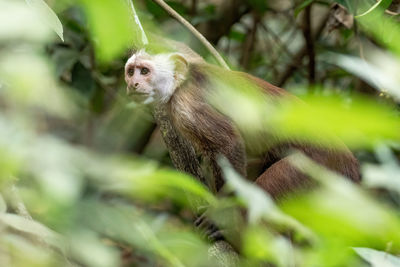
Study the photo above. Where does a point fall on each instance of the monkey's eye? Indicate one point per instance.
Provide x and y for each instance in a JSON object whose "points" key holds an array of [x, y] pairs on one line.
{"points": [[144, 71], [131, 71]]}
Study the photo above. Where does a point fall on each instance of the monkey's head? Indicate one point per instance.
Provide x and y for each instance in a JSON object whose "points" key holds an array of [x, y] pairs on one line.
{"points": [[155, 76]]}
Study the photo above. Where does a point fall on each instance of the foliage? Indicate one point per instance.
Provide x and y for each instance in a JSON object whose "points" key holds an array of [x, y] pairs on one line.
{"points": [[85, 179]]}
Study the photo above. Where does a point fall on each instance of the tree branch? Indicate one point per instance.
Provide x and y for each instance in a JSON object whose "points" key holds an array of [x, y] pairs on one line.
{"points": [[248, 45], [193, 30], [298, 57], [309, 39]]}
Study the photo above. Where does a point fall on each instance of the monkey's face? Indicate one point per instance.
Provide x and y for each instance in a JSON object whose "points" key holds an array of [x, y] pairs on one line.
{"points": [[139, 76], [154, 77]]}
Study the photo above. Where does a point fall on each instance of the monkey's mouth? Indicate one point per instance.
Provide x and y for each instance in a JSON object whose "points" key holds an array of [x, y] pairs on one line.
{"points": [[140, 97], [136, 93]]}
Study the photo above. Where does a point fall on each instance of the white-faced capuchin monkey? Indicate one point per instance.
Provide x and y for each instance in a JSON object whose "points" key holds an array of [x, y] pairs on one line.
{"points": [[182, 85]]}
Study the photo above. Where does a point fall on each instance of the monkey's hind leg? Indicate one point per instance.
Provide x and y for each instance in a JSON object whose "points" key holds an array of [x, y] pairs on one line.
{"points": [[282, 178]]}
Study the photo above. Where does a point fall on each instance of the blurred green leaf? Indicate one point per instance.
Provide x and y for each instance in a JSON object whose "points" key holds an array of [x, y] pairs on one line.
{"points": [[3, 205], [29, 226], [29, 83], [362, 123], [270, 119], [237, 36], [47, 15], [341, 213], [111, 27], [22, 23], [379, 69], [169, 184], [384, 175], [56, 170], [24, 252], [260, 244], [387, 31], [157, 235], [378, 258], [377, 8], [92, 250], [259, 204]]}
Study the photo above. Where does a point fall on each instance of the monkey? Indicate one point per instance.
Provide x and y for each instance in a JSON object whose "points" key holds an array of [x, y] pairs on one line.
{"points": [[171, 80], [182, 85]]}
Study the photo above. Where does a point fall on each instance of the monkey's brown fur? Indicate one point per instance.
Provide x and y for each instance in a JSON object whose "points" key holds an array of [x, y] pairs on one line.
{"points": [[280, 177], [183, 85], [210, 132], [213, 133]]}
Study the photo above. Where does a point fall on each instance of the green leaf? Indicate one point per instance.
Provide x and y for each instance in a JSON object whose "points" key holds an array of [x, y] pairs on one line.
{"points": [[28, 79], [90, 250], [384, 29], [378, 258], [259, 204], [237, 36], [382, 4], [321, 120], [164, 183], [139, 228], [363, 123], [380, 70], [47, 15], [22, 23], [32, 227], [3, 205], [340, 210], [111, 25], [260, 244]]}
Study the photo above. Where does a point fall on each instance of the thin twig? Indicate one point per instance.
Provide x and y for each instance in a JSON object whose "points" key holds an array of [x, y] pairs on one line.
{"points": [[277, 39], [193, 30], [298, 57], [248, 45]]}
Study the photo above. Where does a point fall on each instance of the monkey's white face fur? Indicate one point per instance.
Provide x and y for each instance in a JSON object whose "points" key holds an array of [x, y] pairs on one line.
{"points": [[154, 76]]}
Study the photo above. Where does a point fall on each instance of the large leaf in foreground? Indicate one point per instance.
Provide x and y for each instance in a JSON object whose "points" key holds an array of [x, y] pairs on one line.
{"points": [[378, 258], [111, 26], [47, 15]]}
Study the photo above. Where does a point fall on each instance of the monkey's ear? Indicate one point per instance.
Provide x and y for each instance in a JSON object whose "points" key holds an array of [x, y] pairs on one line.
{"points": [[181, 64]]}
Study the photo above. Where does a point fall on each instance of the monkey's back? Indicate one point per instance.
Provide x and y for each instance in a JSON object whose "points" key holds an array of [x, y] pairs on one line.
{"points": [[213, 133], [210, 132]]}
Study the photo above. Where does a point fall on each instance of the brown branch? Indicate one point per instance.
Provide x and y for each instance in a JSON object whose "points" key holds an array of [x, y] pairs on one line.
{"points": [[298, 57], [193, 30], [193, 8], [309, 40], [276, 38], [248, 45]]}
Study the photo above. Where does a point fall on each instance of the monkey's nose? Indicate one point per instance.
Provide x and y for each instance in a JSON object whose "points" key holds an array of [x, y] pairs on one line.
{"points": [[136, 85]]}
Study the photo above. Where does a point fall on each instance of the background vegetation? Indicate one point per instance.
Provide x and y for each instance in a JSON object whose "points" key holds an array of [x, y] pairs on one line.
{"points": [[86, 179]]}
